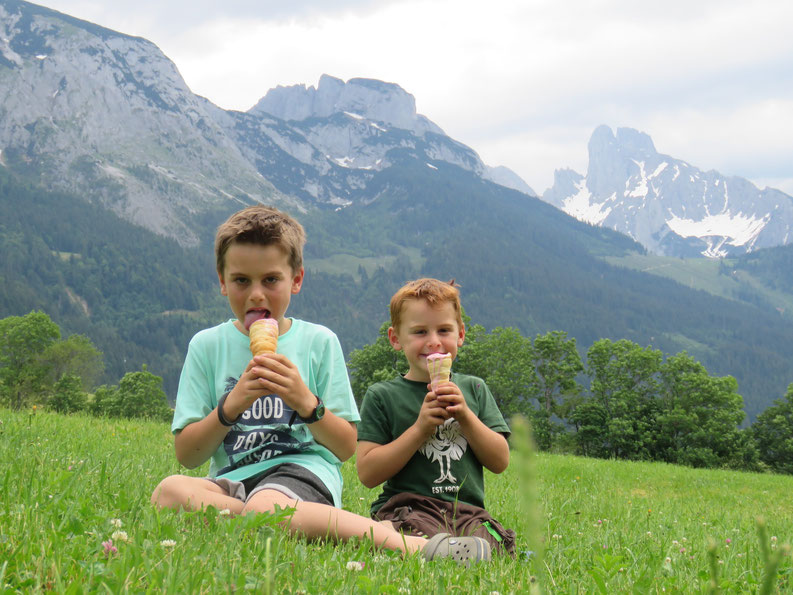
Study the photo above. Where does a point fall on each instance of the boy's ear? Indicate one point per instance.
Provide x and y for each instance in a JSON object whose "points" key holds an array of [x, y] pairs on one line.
{"points": [[394, 339], [223, 290], [461, 336], [297, 280]]}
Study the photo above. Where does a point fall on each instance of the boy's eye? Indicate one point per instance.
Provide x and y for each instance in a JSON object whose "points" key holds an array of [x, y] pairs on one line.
{"points": [[240, 280]]}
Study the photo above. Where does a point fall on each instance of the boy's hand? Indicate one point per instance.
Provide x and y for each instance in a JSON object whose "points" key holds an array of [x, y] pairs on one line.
{"points": [[245, 392], [432, 414], [277, 374], [450, 397]]}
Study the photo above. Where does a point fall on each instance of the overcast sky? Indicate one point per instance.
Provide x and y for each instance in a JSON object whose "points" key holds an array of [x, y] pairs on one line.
{"points": [[524, 83]]}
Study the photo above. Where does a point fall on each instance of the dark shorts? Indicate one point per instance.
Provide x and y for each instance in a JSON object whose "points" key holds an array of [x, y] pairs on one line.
{"points": [[414, 514], [292, 480]]}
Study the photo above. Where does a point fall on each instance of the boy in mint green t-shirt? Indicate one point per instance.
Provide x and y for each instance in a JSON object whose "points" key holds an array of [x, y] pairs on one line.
{"points": [[275, 427]]}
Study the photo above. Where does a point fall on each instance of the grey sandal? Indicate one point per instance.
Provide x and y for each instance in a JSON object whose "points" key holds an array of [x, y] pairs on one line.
{"points": [[462, 550]]}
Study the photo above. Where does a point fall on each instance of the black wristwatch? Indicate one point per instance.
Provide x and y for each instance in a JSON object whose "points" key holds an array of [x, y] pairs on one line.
{"points": [[223, 419], [315, 416]]}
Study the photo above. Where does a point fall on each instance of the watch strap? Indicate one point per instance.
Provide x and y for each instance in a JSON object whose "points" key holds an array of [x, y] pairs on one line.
{"points": [[314, 417], [223, 419]]}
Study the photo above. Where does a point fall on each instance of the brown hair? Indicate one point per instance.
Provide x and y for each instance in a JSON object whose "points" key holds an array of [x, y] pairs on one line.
{"points": [[433, 291], [261, 225]]}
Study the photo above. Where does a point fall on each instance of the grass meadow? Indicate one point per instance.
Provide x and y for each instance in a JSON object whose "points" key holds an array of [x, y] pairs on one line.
{"points": [[70, 485]]}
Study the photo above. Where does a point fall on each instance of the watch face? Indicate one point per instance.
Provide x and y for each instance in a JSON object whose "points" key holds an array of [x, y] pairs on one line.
{"points": [[320, 410]]}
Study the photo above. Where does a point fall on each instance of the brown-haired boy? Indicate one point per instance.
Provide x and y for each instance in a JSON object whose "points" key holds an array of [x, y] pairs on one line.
{"points": [[275, 426], [428, 446]]}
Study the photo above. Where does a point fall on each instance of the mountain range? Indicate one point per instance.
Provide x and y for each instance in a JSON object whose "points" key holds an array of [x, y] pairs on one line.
{"points": [[669, 206], [115, 175]]}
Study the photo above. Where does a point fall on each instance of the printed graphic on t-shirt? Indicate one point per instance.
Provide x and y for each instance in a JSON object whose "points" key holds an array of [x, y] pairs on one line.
{"points": [[262, 432], [447, 444]]}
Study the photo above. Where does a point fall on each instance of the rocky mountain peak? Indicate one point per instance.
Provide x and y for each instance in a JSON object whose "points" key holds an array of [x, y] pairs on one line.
{"points": [[371, 99], [107, 116], [668, 205]]}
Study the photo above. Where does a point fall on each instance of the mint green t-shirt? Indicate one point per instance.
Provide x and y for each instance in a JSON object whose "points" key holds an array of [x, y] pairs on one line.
{"points": [[262, 438]]}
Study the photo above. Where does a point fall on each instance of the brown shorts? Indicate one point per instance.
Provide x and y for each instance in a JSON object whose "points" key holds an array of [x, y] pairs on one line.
{"points": [[422, 515]]}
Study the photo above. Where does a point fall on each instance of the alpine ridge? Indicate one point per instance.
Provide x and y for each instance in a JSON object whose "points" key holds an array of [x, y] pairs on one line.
{"points": [[669, 206], [90, 111]]}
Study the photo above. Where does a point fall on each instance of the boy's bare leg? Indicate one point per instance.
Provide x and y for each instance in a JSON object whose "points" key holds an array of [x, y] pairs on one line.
{"points": [[318, 521], [193, 493]]}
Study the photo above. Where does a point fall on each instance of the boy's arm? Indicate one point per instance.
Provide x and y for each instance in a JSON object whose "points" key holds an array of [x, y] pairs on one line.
{"points": [[490, 447], [276, 374], [377, 463], [198, 441]]}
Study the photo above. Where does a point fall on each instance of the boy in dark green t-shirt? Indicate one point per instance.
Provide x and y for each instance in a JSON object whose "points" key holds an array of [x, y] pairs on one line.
{"points": [[430, 447]]}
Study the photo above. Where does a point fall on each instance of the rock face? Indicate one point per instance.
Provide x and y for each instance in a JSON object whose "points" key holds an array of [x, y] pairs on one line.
{"points": [[370, 99], [340, 133], [667, 205], [88, 110]]}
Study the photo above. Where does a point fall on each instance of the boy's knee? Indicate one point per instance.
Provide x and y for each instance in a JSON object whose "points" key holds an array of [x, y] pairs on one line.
{"points": [[267, 500], [166, 493]]}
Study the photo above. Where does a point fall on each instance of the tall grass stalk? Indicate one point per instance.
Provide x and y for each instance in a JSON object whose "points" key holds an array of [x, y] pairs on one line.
{"points": [[525, 465]]}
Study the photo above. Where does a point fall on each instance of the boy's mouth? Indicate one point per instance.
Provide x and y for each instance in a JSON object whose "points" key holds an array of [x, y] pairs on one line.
{"points": [[253, 315]]}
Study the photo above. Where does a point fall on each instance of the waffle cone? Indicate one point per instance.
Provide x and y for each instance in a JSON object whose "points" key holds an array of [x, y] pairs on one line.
{"points": [[439, 365], [264, 336]]}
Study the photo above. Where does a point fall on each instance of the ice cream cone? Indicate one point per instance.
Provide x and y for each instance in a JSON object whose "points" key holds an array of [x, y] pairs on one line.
{"points": [[264, 336], [439, 366]]}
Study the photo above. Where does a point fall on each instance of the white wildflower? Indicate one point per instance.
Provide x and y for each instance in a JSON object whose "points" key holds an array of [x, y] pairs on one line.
{"points": [[116, 523], [355, 565], [225, 512], [167, 543], [120, 536]]}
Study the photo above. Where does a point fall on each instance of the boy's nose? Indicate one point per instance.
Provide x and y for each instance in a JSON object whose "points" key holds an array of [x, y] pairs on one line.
{"points": [[257, 294], [433, 339]]}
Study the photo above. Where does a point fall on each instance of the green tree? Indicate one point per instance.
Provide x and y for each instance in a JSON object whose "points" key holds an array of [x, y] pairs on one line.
{"points": [[23, 369], [699, 417], [140, 394], [625, 385], [104, 401], [558, 364], [375, 362], [68, 395], [590, 420], [773, 434], [504, 359], [76, 356]]}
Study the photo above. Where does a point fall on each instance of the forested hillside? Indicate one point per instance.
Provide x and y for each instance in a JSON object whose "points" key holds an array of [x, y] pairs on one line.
{"points": [[520, 262], [138, 296]]}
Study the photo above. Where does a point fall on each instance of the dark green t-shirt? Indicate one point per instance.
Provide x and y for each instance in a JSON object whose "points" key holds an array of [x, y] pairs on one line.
{"points": [[444, 467]]}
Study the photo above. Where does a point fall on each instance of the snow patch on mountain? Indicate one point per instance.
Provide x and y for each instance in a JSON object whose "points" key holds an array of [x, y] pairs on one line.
{"points": [[581, 207], [734, 230]]}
